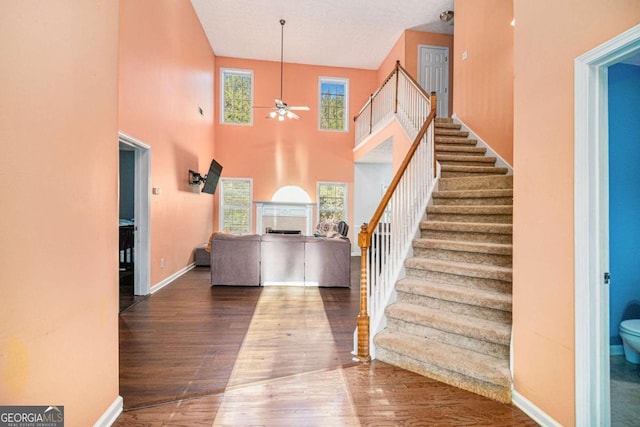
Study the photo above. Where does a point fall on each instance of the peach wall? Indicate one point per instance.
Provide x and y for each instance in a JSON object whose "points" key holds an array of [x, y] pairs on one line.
{"points": [[392, 131], [293, 152], [166, 73], [483, 91], [58, 226], [543, 238]]}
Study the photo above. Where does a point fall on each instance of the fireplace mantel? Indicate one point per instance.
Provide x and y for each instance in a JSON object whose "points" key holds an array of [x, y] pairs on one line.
{"points": [[284, 215]]}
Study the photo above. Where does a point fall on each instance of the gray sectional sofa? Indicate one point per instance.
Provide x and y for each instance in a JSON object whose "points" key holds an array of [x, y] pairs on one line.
{"points": [[280, 259]]}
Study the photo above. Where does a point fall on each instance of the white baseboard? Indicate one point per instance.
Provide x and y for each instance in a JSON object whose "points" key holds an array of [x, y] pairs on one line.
{"points": [[155, 288], [535, 413], [616, 350], [111, 414], [500, 162]]}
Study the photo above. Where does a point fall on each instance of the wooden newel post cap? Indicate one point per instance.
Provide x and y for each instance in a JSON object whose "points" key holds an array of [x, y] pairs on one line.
{"points": [[363, 236]]}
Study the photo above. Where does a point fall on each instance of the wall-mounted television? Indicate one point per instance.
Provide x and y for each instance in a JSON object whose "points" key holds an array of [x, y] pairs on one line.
{"points": [[210, 179]]}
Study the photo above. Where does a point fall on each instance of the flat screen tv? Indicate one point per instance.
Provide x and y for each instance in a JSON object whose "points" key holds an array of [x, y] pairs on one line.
{"points": [[212, 178]]}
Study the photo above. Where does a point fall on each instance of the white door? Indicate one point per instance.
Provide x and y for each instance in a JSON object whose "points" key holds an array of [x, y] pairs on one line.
{"points": [[433, 74]]}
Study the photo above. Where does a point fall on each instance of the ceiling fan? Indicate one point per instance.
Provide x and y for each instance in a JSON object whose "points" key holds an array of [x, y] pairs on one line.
{"points": [[281, 109]]}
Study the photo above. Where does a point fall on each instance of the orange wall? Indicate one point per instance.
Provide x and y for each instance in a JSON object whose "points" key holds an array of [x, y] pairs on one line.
{"points": [[293, 152], [543, 238], [59, 184], [166, 73], [483, 91]]}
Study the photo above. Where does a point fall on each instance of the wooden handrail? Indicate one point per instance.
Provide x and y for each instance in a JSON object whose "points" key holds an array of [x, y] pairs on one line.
{"points": [[366, 232], [414, 82], [374, 94]]}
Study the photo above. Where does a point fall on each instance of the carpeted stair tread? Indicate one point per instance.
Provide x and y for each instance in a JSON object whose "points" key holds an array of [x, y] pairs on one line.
{"points": [[447, 357], [462, 160], [458, 245], [480, 170], [451, 132], [474, 227], [471, 231], [482, 271], [454, 140], [468, 150], [467, 326], [471, 209], [459, 294], [440, 120], [476, 182], [459, 194], [446, 125]]}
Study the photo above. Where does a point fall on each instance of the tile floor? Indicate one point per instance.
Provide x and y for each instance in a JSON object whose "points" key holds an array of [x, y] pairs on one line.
{"points": [[625, 393]]}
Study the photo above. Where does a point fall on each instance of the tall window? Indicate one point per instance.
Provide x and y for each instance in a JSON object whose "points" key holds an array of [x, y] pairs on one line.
{"points": [[236, 91], [334, 104], [332, 201], [236, 196]]}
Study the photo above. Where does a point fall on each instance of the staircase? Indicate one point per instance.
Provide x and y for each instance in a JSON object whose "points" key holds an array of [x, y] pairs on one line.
{"points": [[452, 318]]}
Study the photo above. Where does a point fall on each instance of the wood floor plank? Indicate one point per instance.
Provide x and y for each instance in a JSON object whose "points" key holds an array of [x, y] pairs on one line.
{"points": [[192, 355]]}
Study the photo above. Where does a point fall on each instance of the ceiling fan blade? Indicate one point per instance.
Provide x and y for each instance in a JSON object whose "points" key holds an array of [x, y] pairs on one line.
{"points": [[280, 104], [299, 108], [293, 115]]}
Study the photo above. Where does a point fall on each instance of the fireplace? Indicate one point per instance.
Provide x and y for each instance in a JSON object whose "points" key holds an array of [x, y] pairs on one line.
{"points": [[284, 216]]}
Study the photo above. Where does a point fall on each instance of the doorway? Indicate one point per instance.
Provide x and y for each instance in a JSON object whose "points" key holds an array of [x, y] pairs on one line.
{"points": [[433, 74], [134, 250], [591, 218]]}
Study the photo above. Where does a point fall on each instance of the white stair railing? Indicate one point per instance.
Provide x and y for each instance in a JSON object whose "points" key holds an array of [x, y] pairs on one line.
{"points": [[385, 241]]}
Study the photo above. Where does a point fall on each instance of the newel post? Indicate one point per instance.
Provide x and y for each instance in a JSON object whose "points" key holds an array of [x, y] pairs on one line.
{"points": [[364, 240]]}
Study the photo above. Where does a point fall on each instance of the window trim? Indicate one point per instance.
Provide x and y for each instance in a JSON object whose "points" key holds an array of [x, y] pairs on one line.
{"points": [[345, 210], [223, 71], [340, 80], [222, 205]]}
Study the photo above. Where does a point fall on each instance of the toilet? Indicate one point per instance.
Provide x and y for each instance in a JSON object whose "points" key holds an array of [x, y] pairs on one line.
{"points": [[630, 334]]}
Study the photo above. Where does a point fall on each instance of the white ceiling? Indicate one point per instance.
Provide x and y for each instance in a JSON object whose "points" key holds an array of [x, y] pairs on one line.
{"points": [[353, 33]]}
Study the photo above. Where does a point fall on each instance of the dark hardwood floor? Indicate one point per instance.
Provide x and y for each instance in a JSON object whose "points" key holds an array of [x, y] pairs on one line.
{"points": [[192, 354]]}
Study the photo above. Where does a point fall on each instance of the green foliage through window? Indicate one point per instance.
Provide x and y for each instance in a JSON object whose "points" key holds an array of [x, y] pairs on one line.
{"points": [[332, 201], [333, 104], [235, 199], [237, 96]]}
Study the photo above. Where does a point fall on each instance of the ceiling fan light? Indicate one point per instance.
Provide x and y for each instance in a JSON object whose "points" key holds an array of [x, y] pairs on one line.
{"points": [[281, 118], [272, 115], [290, 114]]}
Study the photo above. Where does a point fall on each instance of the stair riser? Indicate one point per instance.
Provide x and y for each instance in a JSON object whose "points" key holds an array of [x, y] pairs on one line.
{"points": [[454, 141], [469, 236], [460, 280], [458, 150], [466, 162], [472, 201], [443, 126], [452, 132], [485, 183], [491, 349], [491, 219], [492, 391], [455, 307], [451, 174], [460, 256]]}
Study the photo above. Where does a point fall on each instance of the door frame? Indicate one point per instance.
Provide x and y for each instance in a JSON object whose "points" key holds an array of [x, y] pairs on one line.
{"points": [[141, 208], [446, 75], [591, 226]]}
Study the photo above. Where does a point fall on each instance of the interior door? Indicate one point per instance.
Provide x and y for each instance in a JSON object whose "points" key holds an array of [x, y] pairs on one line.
{"points": [[433, 74]]}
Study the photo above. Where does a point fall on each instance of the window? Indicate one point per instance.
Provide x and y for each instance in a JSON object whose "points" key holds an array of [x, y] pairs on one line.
{"points": [[334, 104], [332, 201], [236, 89], [236, 196]]}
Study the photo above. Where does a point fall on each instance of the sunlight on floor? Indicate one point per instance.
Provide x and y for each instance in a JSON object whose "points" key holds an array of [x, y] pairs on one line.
{"points": [[290, 325]]}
